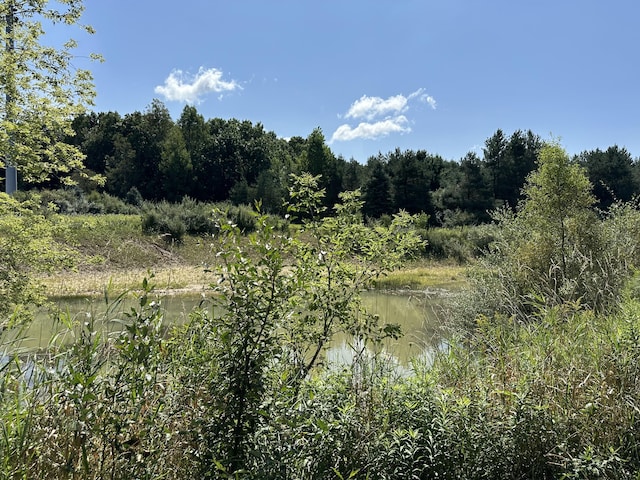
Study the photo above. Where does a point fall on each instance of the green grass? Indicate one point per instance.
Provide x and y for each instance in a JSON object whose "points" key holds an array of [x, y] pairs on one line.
{"points": [[424, 276], [113, 253]]}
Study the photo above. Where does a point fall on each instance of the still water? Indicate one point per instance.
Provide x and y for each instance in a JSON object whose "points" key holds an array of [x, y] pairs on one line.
{"points": [[418, 314]]}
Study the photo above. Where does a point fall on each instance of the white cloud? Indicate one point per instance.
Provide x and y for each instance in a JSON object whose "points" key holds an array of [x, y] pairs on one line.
{"points": [[424, 97], [372, 107], [371, 131], [182, 87], [383, 116], [431, 101]]}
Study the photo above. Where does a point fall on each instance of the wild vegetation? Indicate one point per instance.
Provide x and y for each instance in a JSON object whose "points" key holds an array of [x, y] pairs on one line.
{"points": [[538, 379]]}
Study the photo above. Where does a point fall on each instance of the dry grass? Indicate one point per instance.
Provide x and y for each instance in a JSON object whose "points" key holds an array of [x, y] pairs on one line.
{"points": [[183, 278], [115, 256], [194, 278], [425, 275]]}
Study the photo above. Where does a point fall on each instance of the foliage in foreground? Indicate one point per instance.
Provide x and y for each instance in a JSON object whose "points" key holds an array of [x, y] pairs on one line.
{"points": [[246, 390], [27, 246], [552, 399]]}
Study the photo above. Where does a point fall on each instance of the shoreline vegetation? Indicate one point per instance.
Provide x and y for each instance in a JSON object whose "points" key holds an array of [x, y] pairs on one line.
{"points": [[112, 253], [538, 379], [417, 276]]}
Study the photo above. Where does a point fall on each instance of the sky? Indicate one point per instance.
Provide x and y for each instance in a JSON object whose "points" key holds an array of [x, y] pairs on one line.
{"points": [[376, 75]]}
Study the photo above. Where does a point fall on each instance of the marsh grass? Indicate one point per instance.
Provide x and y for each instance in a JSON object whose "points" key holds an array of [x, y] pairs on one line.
{"points": [[559, 392], [425, 275], [176, 279]]}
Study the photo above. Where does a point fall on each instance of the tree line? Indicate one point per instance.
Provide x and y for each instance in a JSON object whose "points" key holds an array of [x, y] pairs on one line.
{"points": [[150, 154]]}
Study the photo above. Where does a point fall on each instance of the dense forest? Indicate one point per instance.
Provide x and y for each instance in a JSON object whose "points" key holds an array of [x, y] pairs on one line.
{"points": [[150, 154]]}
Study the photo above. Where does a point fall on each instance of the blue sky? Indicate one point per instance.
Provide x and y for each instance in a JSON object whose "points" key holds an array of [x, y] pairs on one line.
{"points": [[438, 75]]}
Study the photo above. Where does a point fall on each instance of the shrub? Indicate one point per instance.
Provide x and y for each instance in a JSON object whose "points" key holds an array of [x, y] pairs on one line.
{"points": [[245, 391], [68, 201], [554, 249], [196, 216], [134, 197], [106, 203], [174, 220], [74, 201], [553, 399], [27, 246], [456, 218], [282, 300], [242, 216], [461, 244]]}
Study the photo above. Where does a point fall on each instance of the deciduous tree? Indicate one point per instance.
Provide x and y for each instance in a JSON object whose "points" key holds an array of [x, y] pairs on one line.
{"points": [[41, 88]]}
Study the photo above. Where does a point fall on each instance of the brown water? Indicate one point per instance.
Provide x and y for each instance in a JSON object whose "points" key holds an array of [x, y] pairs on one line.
{"points": [[416, 313]]}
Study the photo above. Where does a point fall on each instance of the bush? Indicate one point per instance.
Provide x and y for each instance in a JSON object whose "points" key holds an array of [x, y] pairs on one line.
{"points": [[242, 216], [456, 218], [28, 246], [134, 197], [72, 201], [554, 250], [196, 216], [68, 201], [174, 220], [109, 204], [552, 399], [461, 244]]}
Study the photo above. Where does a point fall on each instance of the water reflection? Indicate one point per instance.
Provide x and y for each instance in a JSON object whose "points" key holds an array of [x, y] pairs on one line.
{"points": [[418, 314]]}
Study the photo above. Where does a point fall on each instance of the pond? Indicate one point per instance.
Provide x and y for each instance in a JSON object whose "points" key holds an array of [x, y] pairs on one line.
{"points": [[418, 314]]}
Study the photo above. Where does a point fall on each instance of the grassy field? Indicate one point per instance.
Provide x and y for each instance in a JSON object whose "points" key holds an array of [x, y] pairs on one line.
{"points": [[425, 275], [114, 255]]}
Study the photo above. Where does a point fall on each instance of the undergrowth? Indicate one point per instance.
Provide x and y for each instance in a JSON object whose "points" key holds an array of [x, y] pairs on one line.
{"points": [[547, 389], [557, 398]]}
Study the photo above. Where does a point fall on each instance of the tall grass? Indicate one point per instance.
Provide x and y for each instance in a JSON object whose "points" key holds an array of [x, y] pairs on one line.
{"points": [[556, 398]]}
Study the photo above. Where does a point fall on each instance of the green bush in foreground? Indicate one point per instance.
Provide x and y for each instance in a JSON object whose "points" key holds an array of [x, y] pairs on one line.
{"points": [[246, 390], [27, 246], [553, 399]]}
